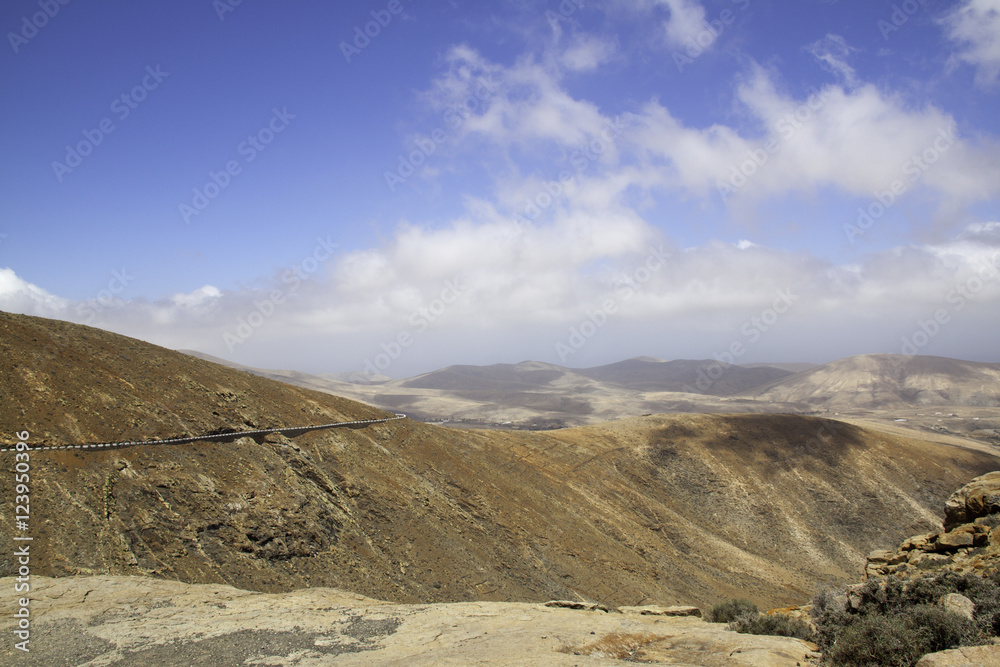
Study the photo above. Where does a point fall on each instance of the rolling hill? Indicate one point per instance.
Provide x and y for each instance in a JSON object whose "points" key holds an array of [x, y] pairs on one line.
{"points": [[547, 395], [887, 381]]}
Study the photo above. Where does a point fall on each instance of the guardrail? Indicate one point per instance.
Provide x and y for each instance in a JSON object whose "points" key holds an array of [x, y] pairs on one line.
{"points": [[212, 436]]}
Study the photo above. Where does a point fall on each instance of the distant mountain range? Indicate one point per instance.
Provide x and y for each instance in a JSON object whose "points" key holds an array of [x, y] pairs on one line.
{"points": [[548, 395]]}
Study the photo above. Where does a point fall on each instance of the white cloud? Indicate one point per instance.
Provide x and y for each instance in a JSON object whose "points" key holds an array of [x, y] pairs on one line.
{"points": [[18, 295], [199, 298], [586, 53], [520, 105], [685, 22], [528, 285], [833, 51], [975, 26], [859, 140]]}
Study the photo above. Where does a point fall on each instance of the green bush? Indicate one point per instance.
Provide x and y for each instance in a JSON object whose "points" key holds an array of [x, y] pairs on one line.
{"points": [[779, 625], [726, 612]]}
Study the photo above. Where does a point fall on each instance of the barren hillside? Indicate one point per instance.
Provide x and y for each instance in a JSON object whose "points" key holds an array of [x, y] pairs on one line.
{"points": [[888, 381]]}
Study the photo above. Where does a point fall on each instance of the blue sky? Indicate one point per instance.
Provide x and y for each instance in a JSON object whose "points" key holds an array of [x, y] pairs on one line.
{"points": [[491, 182]]}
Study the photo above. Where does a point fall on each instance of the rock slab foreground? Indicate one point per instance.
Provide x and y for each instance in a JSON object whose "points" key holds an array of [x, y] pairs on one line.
{"points": [[107, 620]]}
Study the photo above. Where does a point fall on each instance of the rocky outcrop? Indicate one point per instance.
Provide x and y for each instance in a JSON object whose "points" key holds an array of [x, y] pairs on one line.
{"points": [[978, 498], [968, 542]]}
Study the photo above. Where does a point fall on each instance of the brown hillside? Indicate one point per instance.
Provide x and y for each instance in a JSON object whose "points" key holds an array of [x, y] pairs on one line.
{"points": [[678, 508]]}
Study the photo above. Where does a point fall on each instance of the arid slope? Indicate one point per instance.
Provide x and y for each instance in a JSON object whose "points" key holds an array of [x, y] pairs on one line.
{"points": [[888, 381]]}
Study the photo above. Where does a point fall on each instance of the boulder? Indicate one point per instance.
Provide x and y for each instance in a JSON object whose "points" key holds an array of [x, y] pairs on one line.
{"points": [[953, 541], [980, 533], [958, 604], [919, 542], [980, 497], [853, 597], [880, 556], [925, 558], [967, 656]]}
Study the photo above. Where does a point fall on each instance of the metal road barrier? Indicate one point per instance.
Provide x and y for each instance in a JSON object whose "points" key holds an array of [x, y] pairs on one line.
{"points": [[213, 436]]}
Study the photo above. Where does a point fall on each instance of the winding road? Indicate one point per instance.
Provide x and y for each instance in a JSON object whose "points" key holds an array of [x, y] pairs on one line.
{"points": [[213, 436]]}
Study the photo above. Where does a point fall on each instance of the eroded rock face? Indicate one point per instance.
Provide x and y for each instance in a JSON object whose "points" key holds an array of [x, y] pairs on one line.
{"points": [[969, 542], [978, 498]]}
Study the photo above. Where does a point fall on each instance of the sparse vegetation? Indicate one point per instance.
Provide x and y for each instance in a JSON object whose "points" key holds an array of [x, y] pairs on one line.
{"points": [[743, 616], [895, 622], [902, 638], [728, 611], [779, 625]]}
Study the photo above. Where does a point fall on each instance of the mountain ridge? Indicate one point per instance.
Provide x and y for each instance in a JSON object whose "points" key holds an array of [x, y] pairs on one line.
{"points": [[549, 395]]}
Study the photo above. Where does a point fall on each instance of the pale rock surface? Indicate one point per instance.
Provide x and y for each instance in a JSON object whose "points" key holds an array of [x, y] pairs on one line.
{"points": [[958, 604], [969, 656], [104, 620]]}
